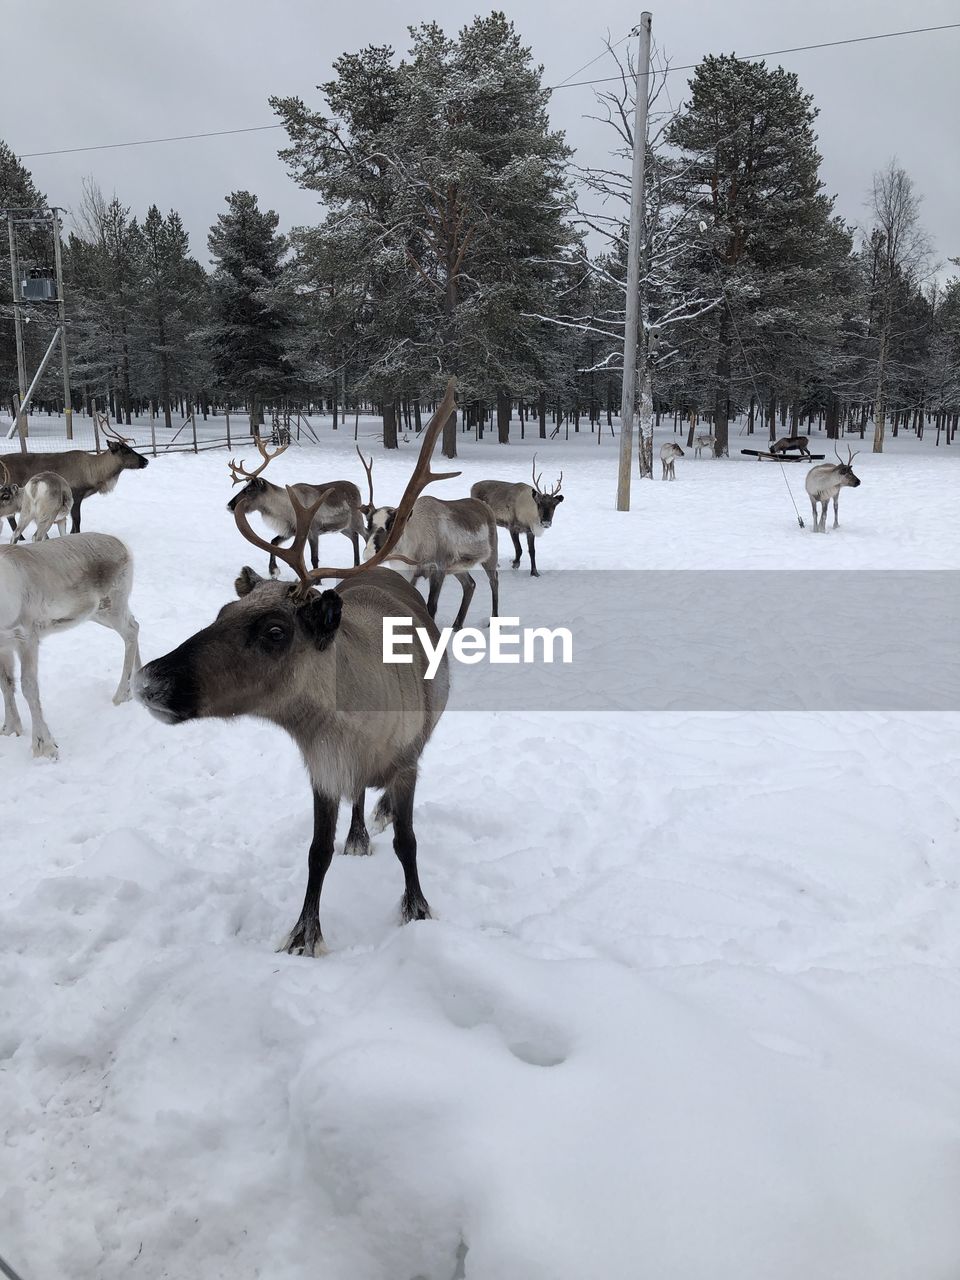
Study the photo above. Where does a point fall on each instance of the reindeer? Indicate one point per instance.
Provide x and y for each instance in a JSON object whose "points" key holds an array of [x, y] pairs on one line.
{"points": [[440, 538], [668, 454], [11, 496], [50, 586], [311, 661], [45, 500], [521, 509], [84, 473], [785, 443], [825, 482], [705, 441], [336, 506]]}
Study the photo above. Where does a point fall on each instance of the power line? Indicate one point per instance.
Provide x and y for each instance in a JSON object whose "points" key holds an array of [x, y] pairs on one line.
{"points": [[564, 84], [149, 142], [609, 49], [772, 53]]}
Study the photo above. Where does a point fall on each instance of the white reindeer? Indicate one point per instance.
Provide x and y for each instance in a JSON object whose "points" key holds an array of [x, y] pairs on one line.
{"points": [[668, 455], [705, 441], [45, 500], [50, 586]]}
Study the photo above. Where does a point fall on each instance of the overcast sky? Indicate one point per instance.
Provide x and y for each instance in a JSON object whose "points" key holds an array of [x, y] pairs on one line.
{"points": [[103, 71]]}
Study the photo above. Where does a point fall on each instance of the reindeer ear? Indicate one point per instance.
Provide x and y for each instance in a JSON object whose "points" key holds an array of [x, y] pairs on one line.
{"points": [[534, 494], [247, 580], [321, 617]]}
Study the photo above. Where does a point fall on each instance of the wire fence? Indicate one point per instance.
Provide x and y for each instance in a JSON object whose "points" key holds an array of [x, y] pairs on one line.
{"points": [[47, 432]]}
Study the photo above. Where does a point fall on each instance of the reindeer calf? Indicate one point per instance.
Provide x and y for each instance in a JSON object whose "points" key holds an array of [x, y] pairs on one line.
{"points": [[702, 442], [668, 455], [50, 586], [45, 500]]}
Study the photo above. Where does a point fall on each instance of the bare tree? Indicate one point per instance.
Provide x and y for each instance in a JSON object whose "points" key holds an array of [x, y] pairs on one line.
{"points": [[901, 254], [667, 300]]}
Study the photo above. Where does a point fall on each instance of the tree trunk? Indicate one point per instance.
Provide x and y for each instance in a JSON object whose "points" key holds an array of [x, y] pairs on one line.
{"points": [[542, 409], [721, 420], [503, 417], [390, 423], [450, 436]]}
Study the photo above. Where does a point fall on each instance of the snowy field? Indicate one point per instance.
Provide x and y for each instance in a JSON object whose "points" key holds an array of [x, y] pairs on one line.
{"points": [[688, 1010]]}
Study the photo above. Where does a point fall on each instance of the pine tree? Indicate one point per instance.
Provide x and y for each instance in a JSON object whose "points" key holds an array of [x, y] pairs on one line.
{"points": [[173, 289], [749, 167], [251, 321], [448, 197], [18, 191]]}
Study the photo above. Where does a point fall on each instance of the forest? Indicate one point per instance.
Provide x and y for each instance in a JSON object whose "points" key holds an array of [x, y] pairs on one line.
{"points": [[457, 232]]}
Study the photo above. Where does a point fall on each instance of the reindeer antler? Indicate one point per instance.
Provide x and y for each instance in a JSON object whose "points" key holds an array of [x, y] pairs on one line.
{"points": [[239, 472], [422, 476], [536, 481], [4, 473], [109, 431], [368, 468]]}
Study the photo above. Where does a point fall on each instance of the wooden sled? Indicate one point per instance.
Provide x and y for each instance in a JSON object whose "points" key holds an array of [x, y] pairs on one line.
{"points": [[783, 457]]}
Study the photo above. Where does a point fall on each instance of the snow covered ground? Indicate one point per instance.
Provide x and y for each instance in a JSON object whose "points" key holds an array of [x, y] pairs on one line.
{"points": [[688, 1010]]}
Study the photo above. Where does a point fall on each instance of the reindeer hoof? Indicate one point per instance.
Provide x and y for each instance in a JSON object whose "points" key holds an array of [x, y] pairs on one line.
{"points": [[357, 846], [45, 749], [382, 818], [12, 729], [534, 573], [297, 944], [414, 909], [514, 564]]}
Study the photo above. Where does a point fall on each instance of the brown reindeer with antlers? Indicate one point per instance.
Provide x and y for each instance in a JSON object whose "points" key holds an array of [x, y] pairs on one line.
{"points": [[84, 473], [312, 662], [336, 505], [824, 483], [521, 509]]}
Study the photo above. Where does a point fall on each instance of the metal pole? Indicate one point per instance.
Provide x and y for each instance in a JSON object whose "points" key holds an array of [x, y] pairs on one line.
{"points": [[634, 246], [62, 313], [18, 329], [25, 402]]}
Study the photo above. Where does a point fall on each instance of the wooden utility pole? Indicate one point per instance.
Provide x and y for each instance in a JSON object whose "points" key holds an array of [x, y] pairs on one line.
{"points": [[18, 329], [634, 249], [62, 315]]}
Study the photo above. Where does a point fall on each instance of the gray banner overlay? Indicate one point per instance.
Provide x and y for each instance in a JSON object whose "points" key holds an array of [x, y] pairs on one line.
{"points": [[723, 641]]}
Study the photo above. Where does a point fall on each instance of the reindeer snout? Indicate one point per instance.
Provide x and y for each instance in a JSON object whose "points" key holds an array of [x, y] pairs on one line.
{"points": [[159, 693]]}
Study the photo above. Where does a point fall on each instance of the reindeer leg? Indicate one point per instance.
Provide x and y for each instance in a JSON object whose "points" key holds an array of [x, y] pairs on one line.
{"points": [[531, 551], [517, 548], [433, 596], [43, 743], [75, 515], [305, 938], [836, 503], [414, 905], [813, 504], [469, 587], [314, 540], [13, 526], [355, 542], [122, 621], [275, 542], [358, 840], [11, 716], [382, 814]]}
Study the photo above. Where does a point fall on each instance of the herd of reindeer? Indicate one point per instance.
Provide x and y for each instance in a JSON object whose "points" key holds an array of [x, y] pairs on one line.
{"points": [[306, 658]]}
